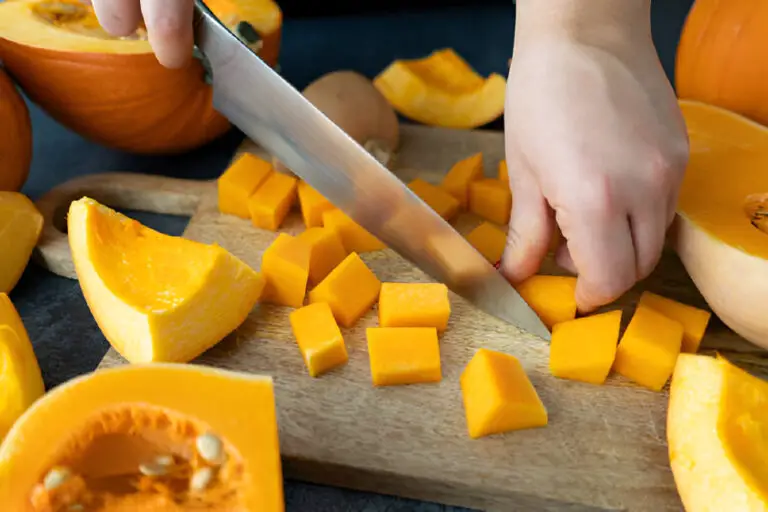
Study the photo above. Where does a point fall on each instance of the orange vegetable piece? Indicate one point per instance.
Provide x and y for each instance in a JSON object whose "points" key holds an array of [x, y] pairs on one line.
{"points": [[491, 199], [350, 289], [584, 349], [552, 297], [326, 252], [414, 305], [649, 348], [403, 355], [463, 172], [437, 198], [319, 338], [354, 237], [312, 204], [239, 181], [285, 267], [272, 201], [498, 396], [694, 320], [21, 225], [503, 173], [489, 240]]}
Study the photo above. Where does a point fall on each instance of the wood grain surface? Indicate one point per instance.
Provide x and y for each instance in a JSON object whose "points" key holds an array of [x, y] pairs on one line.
{"points": [[604, 448]]}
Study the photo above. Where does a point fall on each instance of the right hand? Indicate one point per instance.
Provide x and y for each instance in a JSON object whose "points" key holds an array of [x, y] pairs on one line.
{"points": [[168, 22]]}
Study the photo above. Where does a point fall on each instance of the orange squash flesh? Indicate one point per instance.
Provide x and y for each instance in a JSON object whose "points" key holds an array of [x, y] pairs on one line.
{"points": [[414, 305], [403, 355], [489, 240], [133, 438], [326, 252], [313, 204], [272, 201], [354, 237], [20, 226], [553, 298], [717, 426], [16, 142], [319, 338], [491, 199], [285, 266], [458, 179], [693, 320], [238, 183], [436, 198], [113, 90]]}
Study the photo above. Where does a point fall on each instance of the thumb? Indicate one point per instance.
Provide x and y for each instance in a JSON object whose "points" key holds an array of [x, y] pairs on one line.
{"points": [[530, 228]]}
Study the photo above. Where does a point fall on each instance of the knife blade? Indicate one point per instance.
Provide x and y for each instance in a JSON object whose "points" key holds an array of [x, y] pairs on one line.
{"points": [[274, 114]]}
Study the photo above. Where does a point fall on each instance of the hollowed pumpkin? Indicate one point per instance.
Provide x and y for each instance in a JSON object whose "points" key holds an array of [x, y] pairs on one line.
{"points": [[442, 90], [20, 226], [719, 231], [161, 437], [16, 136], [157, 297], [717, 430], [113, 90]]}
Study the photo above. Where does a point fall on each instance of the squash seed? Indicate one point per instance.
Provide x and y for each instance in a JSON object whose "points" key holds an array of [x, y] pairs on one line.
{"points": [[210, 448], [55, 478], [164, 460], [201, 479], [152, 469]]}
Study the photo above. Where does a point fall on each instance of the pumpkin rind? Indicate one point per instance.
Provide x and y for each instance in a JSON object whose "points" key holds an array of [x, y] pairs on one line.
{"points": [[16, 139], [114, 91]]}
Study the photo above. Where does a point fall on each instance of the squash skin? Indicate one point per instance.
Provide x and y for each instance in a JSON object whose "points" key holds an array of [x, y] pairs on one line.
{"points": [[16, 139]]}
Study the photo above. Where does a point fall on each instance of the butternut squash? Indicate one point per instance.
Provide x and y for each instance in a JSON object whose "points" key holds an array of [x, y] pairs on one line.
{"points": [[693, 320], [156, 297], [238, 183], [553, 298], [436, 198], [503, 172], [326, 252], [20, 227], [403, 355], [319, 338], [272, 201], [354, 237], [458, 179], [161, 437], [490, 199], [489, 240], [312, 204], [285, 266], [584, 348], [414, 305]]}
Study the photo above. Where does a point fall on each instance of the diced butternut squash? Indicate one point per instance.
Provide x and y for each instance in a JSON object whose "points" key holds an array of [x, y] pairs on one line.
{"points": [[326, 252], [239, 182], [272, 201], [552, 297], [498, 396], [694, 320], [489, 240], [354, 237], [403, 355], [649, 348], [503, 173], [584, 349], [414, 305], [350, 289], [319, 338], [490, 199], [285, 267], [463, 172], [312, 204], [436, 198]]}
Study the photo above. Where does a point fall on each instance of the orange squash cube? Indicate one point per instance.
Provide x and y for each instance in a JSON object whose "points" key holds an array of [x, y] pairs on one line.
{"points": [[354, 237], [319, 338], [498, 396], [553, 298], [312, 204], [414, 305], [350, 289], [239, 181], [458, 179], [584, 349], [285, 267], [489, 240], [437, 198], [491, 199], [693, 319], [272, 201], [648, 350], [503, 172], [326, 252], [403, 355]]}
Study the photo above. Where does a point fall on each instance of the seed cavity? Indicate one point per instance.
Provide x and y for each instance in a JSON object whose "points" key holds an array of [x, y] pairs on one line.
{"points": [[201, 479], [56, 477], [210, 448]]}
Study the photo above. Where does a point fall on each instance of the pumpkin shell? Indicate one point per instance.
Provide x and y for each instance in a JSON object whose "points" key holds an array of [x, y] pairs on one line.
{"points": [[15, 137]]}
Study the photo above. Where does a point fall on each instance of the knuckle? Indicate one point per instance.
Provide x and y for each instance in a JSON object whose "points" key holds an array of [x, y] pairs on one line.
{"points": [[595, 197]]}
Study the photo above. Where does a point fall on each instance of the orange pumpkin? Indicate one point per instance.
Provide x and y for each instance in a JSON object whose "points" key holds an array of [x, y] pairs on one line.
{"points": [[15, 138], [113, 90], [722, 59]]}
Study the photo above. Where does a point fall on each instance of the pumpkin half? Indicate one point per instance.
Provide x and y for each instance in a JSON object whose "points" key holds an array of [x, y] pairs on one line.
{"points": [[15, 136], [162, 437], [156, 297], [717, 431], [721, 230], [113, 90]]}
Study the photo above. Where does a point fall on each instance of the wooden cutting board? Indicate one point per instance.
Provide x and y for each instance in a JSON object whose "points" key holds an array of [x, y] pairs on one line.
{"points": [[604, 448]]}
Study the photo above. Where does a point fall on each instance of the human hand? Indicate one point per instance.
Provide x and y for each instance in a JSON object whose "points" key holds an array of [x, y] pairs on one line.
{"points": [[168, 22], [594, 141]]}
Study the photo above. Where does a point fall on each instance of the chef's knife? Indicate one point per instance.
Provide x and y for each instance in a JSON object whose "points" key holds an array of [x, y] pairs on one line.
{"points": [[275, 115]]}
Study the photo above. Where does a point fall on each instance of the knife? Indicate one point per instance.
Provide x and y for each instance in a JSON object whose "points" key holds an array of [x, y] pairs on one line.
{"points": [[274, 114]]}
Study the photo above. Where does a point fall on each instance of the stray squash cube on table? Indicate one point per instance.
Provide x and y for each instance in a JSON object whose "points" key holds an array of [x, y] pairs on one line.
{"points": [[272, 201], [461, 175], [319, 338], [414, 305], [489, 240], [239, 181], [693, 319], [285, 267], [442, 202], [490, 199], [403, 355]]}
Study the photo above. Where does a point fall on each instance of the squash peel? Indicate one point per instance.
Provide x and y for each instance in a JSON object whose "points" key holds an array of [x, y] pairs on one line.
{"points": [[157, 297], [20, 226], [16, 142]]}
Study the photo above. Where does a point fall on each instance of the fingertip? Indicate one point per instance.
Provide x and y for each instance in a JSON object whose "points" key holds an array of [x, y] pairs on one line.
{"points": [[118, 18], [169, 29]]}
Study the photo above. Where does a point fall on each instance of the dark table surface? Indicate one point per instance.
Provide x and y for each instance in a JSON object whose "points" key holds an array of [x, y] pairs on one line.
{"points": [[65, 336]]}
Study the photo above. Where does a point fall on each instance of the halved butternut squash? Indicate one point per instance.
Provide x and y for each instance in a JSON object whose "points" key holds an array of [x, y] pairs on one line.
{"points": [[157, 297], [156, 437], [20, 226]]}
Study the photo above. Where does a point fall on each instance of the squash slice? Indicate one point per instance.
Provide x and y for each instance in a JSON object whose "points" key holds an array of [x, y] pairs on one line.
{"points": [[717, 430], [442, 90], [157, 297], [161, 437], [20, 226]]}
